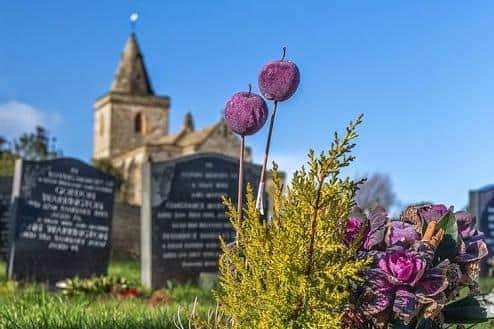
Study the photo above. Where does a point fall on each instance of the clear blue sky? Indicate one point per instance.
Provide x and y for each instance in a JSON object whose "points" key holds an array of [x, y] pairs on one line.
{"points": [[421, 71]]}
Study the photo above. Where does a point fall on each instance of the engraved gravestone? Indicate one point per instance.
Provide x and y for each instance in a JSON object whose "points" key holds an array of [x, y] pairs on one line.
{"points": [[62, 221], [5, 197], [183, 215], [481, 205]]}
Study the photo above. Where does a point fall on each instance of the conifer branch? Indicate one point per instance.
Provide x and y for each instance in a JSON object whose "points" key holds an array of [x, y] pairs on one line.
{"points": [[294, 272], [314, 227], [325, 166]]}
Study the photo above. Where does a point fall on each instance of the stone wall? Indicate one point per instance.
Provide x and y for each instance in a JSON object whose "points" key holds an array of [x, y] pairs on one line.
{"points": [[126, 231], [101, 132], [114, 123], [123, 136]]}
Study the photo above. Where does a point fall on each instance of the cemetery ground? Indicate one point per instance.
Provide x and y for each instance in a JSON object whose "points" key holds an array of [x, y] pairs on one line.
{"points": [[33, 307]]}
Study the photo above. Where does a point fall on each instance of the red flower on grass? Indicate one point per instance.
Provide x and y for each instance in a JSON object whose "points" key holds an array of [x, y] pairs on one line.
{"points": [[129, 293]]}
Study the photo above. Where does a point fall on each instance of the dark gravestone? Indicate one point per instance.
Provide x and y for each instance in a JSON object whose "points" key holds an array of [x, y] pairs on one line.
{"points": [[5, 198], [62, 221], [183, 215], [481, 205]]}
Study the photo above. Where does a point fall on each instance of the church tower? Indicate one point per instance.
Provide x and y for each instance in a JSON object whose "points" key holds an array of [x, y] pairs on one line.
{"points": [[130, 114]]}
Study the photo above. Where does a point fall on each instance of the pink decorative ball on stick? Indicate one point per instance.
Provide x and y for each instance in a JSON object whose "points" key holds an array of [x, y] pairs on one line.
{"points": [[279, 80], [246, 113]]}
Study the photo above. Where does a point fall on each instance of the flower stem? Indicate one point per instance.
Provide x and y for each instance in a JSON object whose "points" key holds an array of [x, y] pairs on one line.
{"points": [[260, 191], [241, 179]]}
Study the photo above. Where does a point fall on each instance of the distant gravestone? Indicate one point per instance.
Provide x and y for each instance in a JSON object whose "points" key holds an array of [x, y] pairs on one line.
{"points": [[62, 221], [481, 205], [5, 198], [183, 215]]}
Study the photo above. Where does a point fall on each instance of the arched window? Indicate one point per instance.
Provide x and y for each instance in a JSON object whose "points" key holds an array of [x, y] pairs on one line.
{"points": [[140, 124]]}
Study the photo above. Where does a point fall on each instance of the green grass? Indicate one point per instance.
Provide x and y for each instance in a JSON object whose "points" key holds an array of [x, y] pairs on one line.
{"points": [[128, 269], [487, 284], [33, 307]]}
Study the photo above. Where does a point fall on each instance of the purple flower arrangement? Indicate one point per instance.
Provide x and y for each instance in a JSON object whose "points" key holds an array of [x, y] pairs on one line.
{"points": [[419, 263]]}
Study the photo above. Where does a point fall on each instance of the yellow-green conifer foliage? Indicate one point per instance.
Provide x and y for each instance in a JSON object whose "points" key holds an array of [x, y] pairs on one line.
{"points": [[295, 270]]}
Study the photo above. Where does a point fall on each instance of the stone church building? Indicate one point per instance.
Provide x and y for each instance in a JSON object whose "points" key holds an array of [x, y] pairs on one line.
{"points": [[131, 126]]}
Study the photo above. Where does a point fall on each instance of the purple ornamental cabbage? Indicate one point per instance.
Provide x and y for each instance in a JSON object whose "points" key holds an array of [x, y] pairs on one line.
{"points": [[400, 280], [466, 225], [471, 251], [454, 278], [402, 266], [376, 294], [433, 212], [472, 245], [406, 305], [373, 225], [403, 281], [378, 219], [400, 231], [431, 308], [428, 293], [354, 226], [420, 215], [434, 281]]}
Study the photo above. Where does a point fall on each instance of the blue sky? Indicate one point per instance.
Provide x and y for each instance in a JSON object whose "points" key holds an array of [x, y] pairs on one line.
{"points": [[421, 71]]}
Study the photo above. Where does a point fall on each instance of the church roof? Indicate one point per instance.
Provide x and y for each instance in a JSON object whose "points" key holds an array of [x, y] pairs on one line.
{"points": [[131, 76], [197, 137], [186, 137]]}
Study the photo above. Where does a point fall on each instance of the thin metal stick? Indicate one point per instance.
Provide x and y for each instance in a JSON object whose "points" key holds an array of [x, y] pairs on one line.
{"points": [[260, 191], [241, 178]]}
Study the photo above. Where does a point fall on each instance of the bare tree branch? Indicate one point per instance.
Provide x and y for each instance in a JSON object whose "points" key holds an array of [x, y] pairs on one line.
{"points": [[378, 189]]}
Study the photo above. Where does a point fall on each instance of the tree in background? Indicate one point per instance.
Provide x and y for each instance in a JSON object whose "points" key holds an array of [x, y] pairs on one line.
{"points": [[3, 143], [36, 146], [29, 146], [7, 159], [377, 189]]}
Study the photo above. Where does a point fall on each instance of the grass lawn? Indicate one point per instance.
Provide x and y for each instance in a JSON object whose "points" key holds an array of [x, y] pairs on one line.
{"points": [[33, 307]]}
